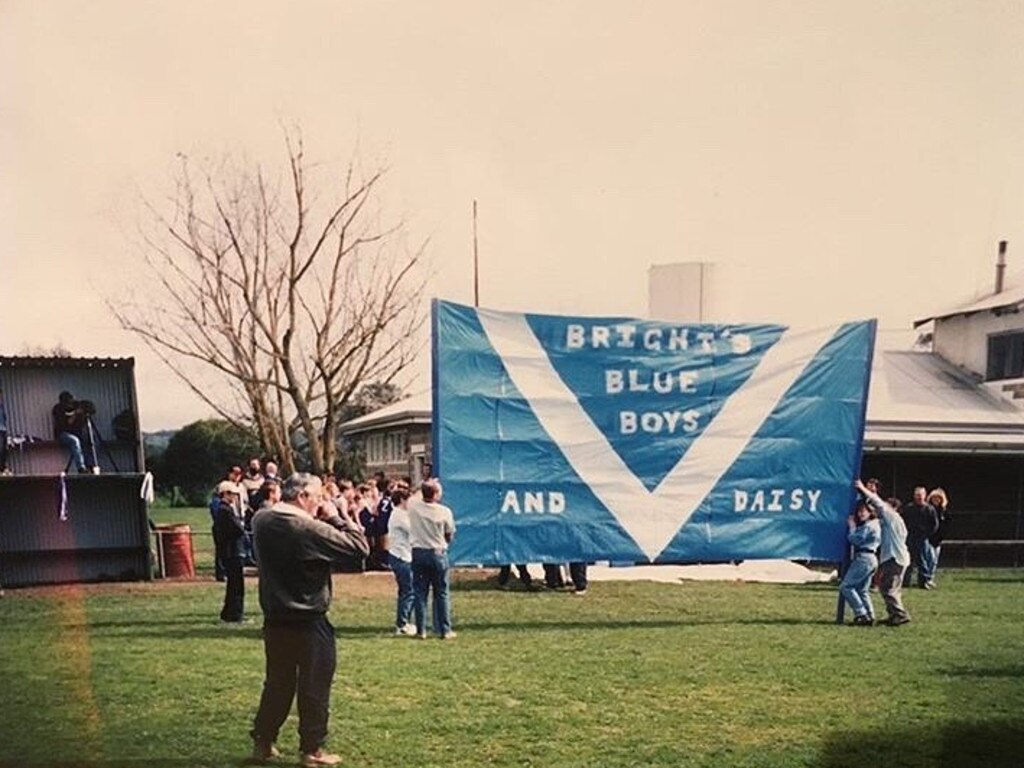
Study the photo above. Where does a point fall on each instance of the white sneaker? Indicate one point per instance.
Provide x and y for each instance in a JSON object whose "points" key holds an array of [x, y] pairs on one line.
{"points": [[95, 470], [409, 629]]}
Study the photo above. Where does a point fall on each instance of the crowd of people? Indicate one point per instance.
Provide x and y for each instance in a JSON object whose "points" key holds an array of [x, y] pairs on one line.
{"points": [[890, 542], [406, 530]]}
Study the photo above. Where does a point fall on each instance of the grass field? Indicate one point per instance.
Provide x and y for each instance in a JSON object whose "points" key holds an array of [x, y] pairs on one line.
{"points": [[697, 674]]}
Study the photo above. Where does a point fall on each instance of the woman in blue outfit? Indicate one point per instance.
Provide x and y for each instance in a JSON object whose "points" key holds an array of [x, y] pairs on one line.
{"points": [[865, 536]]}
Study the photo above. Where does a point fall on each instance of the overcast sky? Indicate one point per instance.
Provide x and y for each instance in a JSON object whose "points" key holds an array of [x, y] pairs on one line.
{"points": [[839, 160]]}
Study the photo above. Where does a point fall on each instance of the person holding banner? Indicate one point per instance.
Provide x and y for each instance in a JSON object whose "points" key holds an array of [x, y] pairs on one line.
{"points": [[865, 536], [893, 555], [431, 528]]}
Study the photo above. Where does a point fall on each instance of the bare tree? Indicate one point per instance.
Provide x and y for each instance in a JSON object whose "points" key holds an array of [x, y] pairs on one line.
{"points": [[293, 299]]}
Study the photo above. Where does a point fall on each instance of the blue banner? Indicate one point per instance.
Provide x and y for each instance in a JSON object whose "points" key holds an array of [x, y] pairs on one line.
{"points": [[579, 438]]}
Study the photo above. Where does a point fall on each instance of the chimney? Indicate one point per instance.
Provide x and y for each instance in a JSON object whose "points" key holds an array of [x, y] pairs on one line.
{"points": [[1000, 266]]}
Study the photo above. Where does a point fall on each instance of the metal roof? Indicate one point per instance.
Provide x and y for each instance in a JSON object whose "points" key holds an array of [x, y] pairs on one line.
{"points": [[921, 402], [1009, 299], [66, 362], [918, 402], [416, 409]]}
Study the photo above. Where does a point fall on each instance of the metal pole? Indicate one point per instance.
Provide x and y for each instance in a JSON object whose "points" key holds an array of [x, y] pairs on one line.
{"points": [[1000, 266], [160, 553], [476, 263]]}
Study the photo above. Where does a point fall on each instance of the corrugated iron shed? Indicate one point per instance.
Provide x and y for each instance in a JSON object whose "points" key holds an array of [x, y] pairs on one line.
{"points": [[105, 535], [31, 387]]}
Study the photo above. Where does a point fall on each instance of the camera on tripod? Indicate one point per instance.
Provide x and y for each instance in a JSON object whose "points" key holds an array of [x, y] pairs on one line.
{"points": [[86, 407]]}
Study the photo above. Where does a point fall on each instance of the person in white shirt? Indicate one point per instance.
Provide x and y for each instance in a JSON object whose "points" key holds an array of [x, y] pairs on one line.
{"points": [[431, 528], [400, 559]]}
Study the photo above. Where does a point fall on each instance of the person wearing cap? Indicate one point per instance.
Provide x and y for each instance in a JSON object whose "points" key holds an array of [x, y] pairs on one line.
{"points": [[228, 533]]}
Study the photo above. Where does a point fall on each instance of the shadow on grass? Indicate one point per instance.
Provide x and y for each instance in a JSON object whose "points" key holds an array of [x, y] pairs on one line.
{"points": [[180, 621], [955, 745], [981, 578], [1009, 671], [136, 762], [601, 625], [194, 631]]}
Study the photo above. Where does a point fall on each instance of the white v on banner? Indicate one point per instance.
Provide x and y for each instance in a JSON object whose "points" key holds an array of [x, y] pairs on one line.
{"points": [[562, 438]]}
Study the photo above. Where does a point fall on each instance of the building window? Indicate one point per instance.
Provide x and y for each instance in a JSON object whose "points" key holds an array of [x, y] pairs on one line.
{"points": [[387, 448], [1005, 356]]}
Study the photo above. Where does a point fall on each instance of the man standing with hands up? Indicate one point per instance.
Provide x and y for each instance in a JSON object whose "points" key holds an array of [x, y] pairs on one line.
{"points": [[295, 552]]}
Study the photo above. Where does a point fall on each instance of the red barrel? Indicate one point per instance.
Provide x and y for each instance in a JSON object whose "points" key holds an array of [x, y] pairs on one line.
{"points": [[174, 551]]}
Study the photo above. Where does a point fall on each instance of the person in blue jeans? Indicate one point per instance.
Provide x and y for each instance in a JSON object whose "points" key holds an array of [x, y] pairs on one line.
{"points": [[933, 545], [400, 559], [68, 423], [865, 536], [922, 523], [431, 528]]}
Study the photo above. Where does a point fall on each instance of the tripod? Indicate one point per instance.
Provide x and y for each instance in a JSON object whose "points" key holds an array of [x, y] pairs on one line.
{"points": [[94, 437]]}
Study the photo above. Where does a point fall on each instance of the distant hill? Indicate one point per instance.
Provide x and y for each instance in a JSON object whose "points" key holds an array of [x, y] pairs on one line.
{"points": [[156, 442]]}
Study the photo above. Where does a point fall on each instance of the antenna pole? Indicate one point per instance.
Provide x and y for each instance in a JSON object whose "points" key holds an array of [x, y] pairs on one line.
{"points": [[476, 263]]}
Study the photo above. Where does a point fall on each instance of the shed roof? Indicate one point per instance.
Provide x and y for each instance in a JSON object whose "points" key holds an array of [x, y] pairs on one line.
{"points": [[24, 361]]}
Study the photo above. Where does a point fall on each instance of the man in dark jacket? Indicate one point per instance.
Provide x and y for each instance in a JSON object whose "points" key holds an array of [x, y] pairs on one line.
{"points": [[922, 523], [228, 531], [295, 552]]}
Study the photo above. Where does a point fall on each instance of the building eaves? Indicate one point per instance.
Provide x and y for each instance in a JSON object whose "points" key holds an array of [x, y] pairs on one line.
{"points": [[1011, 299], [65, 362]]}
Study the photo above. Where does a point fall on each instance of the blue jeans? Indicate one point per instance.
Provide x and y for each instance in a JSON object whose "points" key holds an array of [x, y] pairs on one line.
{"points": [[430, 571], [929, 561], [403, 577], [74, 444], [920, 554], [856, 584]]}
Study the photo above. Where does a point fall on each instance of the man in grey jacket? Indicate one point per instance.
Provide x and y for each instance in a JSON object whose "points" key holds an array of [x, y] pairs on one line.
{"points": [[295, 552]]}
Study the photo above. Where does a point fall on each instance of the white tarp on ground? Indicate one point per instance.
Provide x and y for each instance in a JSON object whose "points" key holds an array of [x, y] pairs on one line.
{"points": [[772, 571]]}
